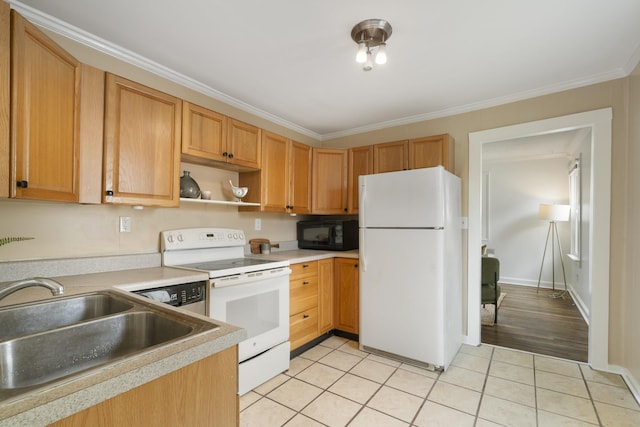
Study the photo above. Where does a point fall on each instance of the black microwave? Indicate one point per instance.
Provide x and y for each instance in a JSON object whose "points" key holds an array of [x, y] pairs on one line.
{"points": [[330, 234]]}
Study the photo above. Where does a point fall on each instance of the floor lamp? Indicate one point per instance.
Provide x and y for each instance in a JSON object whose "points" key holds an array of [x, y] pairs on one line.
{"points": [[553, 214]]}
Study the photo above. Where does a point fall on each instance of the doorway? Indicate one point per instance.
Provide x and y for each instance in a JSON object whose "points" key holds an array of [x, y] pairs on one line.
{"points": [[599, 124]]}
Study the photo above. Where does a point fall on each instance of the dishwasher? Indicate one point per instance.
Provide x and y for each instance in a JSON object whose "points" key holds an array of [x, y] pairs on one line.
{"points": [[189, 297]]}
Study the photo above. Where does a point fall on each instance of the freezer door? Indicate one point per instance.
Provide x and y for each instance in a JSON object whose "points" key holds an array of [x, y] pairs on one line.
{"points": [[401, 293], [412, 199]]}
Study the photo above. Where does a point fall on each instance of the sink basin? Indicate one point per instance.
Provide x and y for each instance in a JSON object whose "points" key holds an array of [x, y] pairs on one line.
{"points": [[50, 314], [44, 357]]}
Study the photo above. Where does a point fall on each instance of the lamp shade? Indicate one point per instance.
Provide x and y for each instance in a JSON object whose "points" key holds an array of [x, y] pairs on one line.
{"points": [[554, 212]]}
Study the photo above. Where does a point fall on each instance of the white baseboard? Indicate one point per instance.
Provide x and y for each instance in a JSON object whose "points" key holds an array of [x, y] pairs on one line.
{"points": [[632, 382], [582, 308]]}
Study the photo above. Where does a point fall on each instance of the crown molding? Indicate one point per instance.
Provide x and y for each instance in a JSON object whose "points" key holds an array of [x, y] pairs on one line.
{"points": [[78, 35], [69, 31], [545, 90]]}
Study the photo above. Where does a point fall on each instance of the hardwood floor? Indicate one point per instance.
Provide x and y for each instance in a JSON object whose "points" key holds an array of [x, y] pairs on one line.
{"points": [[538, 323]]}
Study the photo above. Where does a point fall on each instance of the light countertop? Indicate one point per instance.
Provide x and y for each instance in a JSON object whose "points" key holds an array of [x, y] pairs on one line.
{"points": [[51, 403], [306, 255]]}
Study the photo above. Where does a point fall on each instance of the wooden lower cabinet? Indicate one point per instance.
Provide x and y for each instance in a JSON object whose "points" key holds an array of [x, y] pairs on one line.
{"points": [[303, 303], [347, 295], [324, 297], [204, 393]]}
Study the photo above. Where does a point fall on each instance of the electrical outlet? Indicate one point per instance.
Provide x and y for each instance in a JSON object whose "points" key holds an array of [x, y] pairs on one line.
{"points": [[125, 224], [258, 225]]}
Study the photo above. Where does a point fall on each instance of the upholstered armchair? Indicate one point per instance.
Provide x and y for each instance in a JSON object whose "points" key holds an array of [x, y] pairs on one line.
{"points": [[490, 287]]}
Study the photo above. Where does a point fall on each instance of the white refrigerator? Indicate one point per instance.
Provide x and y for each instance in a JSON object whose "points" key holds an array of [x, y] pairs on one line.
{"points": [[410, 265]]}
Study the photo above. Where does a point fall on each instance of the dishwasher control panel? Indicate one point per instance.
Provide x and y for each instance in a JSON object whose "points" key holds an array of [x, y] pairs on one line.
{"points": [[176, 295]]}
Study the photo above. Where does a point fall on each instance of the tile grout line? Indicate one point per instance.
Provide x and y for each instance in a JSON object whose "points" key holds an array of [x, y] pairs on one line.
{"points": [[484, 385], [593, 403]]}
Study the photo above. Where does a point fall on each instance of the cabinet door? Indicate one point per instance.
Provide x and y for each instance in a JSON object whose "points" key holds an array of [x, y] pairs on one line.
{"points": [[45, 122], [204, 132], [360, 163], [347, 295], [391, 157], [201, 394], [300, 178], [325, 295], [329, 192], [142, 145], [275, 172], [5, 60], [432, 151], [243, 144]]}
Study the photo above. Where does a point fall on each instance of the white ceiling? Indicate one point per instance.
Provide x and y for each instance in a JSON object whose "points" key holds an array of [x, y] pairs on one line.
{"points": [[292, 61]]}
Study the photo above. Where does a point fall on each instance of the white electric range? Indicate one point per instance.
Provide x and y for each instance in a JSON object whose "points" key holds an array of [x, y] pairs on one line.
{"points": [[252, 293]]}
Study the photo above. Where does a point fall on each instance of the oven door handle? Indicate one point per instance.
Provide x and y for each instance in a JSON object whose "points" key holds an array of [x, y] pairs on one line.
{"points": [[244, 278]]}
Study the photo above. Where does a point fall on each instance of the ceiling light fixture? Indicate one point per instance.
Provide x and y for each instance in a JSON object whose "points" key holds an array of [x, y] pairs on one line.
{"points": [[371, 34]]}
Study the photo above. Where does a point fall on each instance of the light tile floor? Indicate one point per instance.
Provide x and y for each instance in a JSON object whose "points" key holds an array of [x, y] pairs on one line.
{"points": [[336, 384]]}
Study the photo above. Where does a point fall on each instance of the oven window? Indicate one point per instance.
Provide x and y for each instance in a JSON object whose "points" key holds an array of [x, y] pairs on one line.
{"points": [[316, 234], [257, 313]]}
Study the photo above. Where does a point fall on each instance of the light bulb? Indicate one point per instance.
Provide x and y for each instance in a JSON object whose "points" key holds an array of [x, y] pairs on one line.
{"points": [[361, 56], [369, 64], [381, 56]]}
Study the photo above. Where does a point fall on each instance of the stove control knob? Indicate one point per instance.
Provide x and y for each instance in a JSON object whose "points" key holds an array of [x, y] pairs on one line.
{"points": [[180, 238], [170, 238], [241, 236]]}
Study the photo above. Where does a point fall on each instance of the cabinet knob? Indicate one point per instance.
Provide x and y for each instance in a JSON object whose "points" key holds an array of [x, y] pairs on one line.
{"points": [[225, 154], [109, 193], [345, 209], [231, 155], [22, 184], [355, 265], [305, 316], [305, 265], [305, 283]]}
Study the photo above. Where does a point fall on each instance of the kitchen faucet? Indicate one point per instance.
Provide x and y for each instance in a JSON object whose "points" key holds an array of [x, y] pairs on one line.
{"points": [[55, 287]]}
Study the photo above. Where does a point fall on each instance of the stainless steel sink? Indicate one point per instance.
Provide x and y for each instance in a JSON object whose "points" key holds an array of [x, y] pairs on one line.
{"points": [[47, 356], [25, 319], [46, 342]]}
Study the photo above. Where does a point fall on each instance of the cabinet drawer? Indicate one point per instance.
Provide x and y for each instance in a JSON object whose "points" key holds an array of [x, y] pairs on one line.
{"points": [[303, 294], [303, 327], [304, 269]]}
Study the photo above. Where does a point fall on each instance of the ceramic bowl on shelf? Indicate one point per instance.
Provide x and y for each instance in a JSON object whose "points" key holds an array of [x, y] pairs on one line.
{"points": [[238, 192]]}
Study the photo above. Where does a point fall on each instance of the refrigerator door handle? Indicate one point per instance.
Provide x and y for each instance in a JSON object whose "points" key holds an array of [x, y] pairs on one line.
{"points": [[363, 195], [363, 254]]}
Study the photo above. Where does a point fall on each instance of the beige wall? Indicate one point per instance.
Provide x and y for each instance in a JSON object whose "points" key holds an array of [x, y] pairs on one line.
{"points": [[613, 94], [627, 315], [64, 230]]}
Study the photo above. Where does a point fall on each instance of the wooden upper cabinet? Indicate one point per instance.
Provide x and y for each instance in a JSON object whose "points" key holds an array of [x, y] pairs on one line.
{"points": [[5, 60], [204, 132], [209, 137], [432, 151], [284, 182], [360, 163], [299, 178], [329, 187], [275, 172], [243, 144], [141, 145], [391, 156], [45, 119]]}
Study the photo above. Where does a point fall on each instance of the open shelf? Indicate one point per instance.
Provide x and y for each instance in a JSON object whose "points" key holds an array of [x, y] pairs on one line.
{"points": [[218, 202]]}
